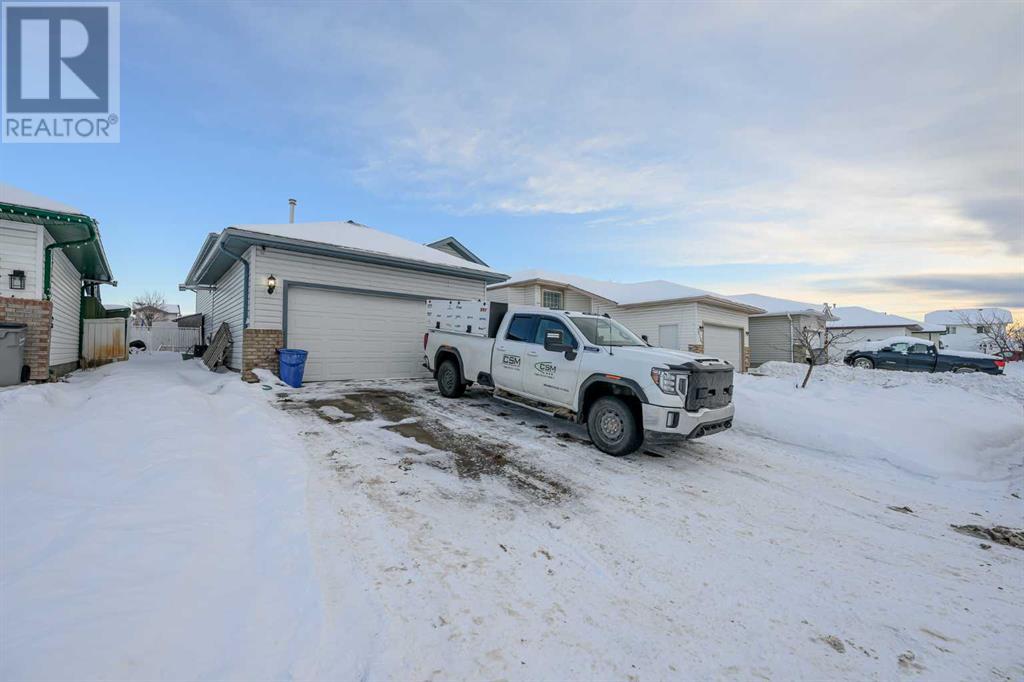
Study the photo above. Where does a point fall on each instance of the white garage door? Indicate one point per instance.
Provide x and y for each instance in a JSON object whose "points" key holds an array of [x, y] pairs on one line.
{"points": [[725, 343], [356, 336]]}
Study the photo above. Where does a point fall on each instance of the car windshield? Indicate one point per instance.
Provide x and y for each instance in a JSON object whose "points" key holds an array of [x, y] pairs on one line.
{"points": [[602, 331]]}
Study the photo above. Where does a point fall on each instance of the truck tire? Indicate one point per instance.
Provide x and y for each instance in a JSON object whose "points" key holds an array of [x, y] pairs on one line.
{"points": [[864, 363], [612, 427], [449, 383]]}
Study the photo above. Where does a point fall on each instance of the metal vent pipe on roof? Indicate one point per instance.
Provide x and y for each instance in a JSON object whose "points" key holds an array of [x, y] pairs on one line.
{"points": [[291, 210]]}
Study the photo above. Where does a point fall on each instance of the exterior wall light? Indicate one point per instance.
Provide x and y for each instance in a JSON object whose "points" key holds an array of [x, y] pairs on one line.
{"points": [[17, 278], [271, 284]]}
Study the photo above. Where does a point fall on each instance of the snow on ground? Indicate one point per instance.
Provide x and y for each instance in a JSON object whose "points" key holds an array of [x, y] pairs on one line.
{"points": [[152, 525], [375, 530]]}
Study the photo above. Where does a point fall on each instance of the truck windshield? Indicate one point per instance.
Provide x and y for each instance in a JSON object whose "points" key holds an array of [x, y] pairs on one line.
{"points": [[602, 331]]}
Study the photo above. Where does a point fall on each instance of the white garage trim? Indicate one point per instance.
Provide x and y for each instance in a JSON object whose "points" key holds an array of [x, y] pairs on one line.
{"points": [[725, 343]]}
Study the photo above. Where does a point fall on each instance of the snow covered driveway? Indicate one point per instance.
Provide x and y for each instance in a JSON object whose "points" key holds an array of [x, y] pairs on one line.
{"points": [[377, 531]]}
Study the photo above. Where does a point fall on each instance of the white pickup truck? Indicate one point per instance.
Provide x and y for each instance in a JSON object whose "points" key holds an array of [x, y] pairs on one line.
{"points": [[587, 368]]}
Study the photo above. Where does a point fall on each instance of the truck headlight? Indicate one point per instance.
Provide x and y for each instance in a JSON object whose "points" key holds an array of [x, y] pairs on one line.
{"points": [[672, 383]]}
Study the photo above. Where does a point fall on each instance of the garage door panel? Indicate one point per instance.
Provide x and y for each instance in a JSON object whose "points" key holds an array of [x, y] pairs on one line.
{"points": [[356, 336], [725, 343]]}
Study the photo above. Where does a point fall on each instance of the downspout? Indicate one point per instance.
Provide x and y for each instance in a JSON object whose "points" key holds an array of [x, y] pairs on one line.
{"points": [[245, 290], [81, 321], [48, 258], [792, 352]]}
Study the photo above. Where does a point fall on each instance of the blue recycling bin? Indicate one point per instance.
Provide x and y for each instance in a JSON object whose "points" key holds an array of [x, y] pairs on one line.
{"points": [[292, 364]]}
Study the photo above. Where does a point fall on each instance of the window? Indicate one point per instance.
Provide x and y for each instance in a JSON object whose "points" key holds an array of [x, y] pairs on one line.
{"points": [[899, 347], [546, 324], [919, 349], [553, 299], [982, 330], [951, 329], [521, 328], [603, 331]]}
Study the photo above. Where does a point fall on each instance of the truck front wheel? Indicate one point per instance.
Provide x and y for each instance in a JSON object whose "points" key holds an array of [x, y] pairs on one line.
{"points": [[449, 383], [612, 427]]}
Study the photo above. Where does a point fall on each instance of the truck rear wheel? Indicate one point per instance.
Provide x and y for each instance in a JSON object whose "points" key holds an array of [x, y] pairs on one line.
{"points": [[612, 427], [449, 383]]}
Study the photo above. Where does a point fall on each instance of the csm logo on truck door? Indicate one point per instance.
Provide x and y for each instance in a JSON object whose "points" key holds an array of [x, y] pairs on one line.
{"points": [[511, 361], [545, 369]]}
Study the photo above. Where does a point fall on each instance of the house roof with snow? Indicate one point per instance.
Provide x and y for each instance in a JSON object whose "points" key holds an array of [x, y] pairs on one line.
{"points": [[625, 293], [969, 316], [458, 247], [931, 328], [854, 316], [781, 306], [64, 223], [347, 240]]}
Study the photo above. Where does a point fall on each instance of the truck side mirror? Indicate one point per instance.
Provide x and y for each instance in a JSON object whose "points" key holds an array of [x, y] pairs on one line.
{"points": [[554, 341]]}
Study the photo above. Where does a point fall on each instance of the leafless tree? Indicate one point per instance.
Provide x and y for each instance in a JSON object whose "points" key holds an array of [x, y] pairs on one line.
{"points": [[148, 307], [1002, 337], [813, 342]]}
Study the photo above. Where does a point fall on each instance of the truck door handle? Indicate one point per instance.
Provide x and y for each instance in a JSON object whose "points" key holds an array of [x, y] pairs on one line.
{"points": [[532, 354]]}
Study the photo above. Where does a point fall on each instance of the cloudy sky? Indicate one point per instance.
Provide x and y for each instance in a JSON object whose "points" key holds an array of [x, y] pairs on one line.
{"points": [[864, 154]]}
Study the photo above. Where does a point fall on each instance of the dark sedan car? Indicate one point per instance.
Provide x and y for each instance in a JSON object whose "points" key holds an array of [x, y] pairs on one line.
{"points": [[917, 355]]}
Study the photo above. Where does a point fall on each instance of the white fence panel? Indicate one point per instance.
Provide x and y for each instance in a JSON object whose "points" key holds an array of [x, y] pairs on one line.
{"points": [[103, 341], [165, 336]]}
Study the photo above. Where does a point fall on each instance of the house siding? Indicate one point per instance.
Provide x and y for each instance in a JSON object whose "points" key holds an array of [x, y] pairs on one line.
{"points": [[860, 335], [288, 266], [770, 339], [204, 301], [225, 305], [645, 320], [21, 249], [966, 338], [65, 294]]}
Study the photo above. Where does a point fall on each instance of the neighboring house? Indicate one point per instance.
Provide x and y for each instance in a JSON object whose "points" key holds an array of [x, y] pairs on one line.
{"points": [[965, 328], [932, 332], [52, 264], [453, 246], [855, 325], [193, 321], [145, 315], [117, 310], [775, 333], [670, 315], [352, 296]]}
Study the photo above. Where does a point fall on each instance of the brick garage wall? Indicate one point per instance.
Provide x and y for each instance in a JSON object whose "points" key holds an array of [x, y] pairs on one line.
{"points": [[38, 315], [259, 348]]}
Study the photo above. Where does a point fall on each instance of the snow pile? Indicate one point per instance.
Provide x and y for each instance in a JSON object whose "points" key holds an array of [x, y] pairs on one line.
{"points": [[964, 426], [153, 526]]}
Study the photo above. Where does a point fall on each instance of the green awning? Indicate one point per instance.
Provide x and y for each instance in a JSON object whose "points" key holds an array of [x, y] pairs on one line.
{"points": [[89, 259]]}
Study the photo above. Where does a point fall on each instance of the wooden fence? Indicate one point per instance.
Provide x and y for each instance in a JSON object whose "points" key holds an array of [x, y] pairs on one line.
{"points": [[103, 341], [165, 336]]}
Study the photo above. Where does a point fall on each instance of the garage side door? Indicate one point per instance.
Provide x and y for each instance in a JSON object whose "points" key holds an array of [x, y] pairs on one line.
{"points": [[356, 336], [725, 343]]}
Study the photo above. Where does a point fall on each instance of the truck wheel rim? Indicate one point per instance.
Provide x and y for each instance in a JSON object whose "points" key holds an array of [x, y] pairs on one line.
{"points": [[611, 425], [865, 364]]}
